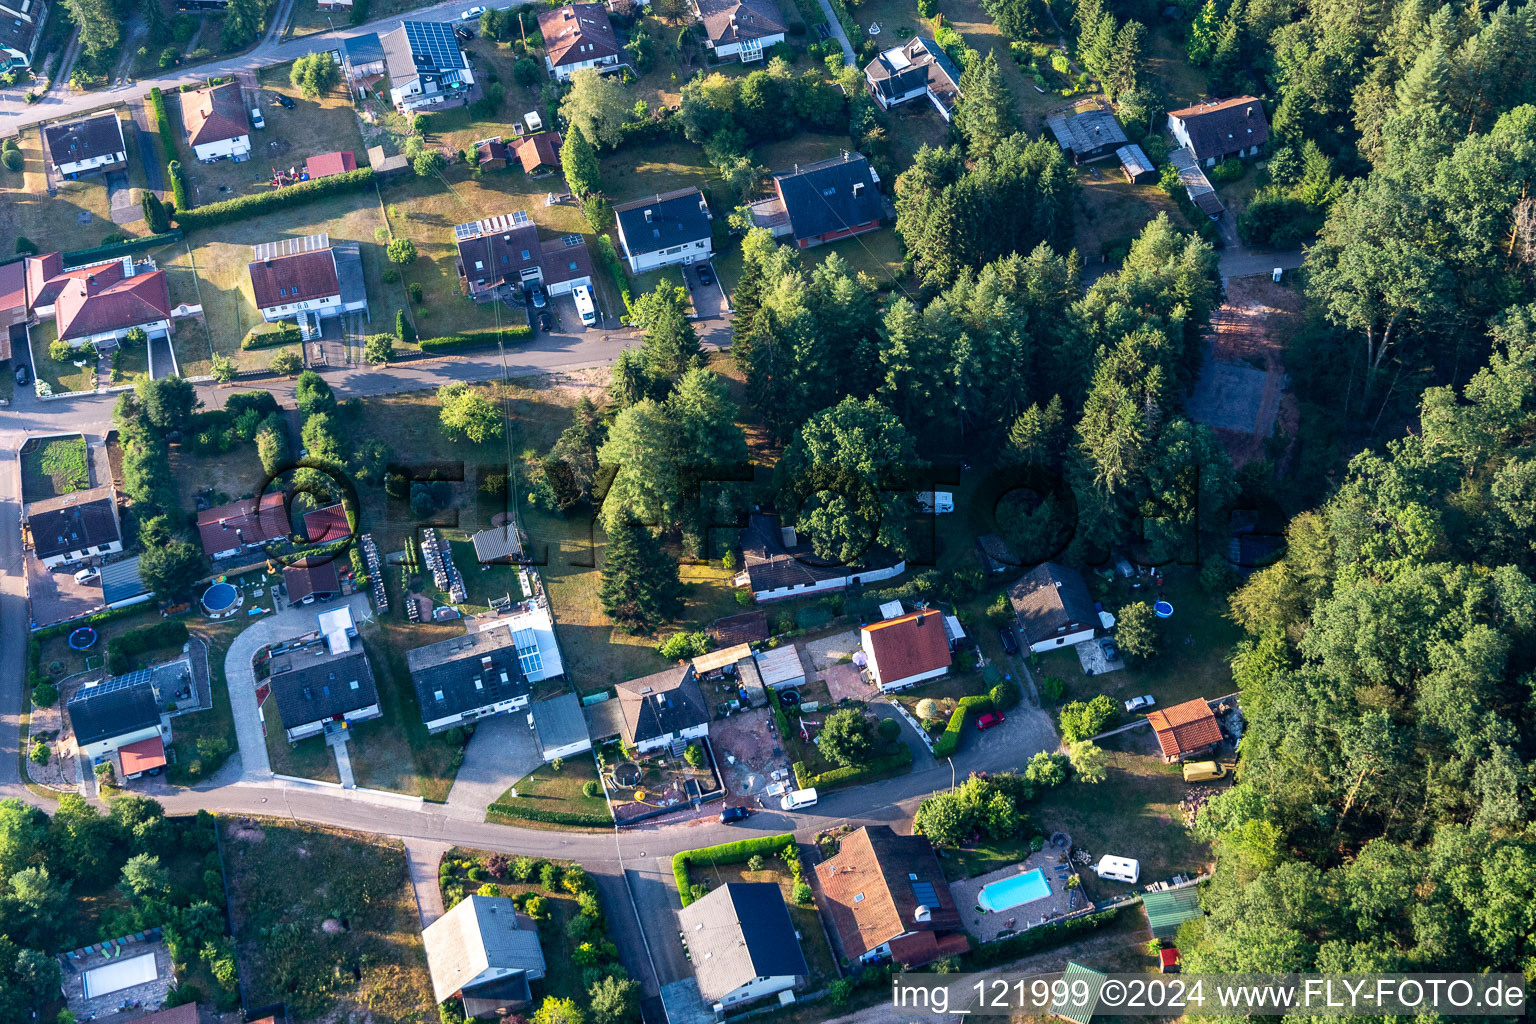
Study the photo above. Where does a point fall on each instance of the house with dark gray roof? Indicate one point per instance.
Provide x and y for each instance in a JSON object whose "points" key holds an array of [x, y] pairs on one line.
{"points": [[365, 55], [318, 684], [74, 527], [664, 709], [559, 727], [488, 672], [823, 202], [1212, 132], [668, 228], [116, 712], [89, 146], [743, 944], [1052, 607], [742, 29], [909, 72], [1088, 136], [778, 564], [483, 952], [425, 66]]}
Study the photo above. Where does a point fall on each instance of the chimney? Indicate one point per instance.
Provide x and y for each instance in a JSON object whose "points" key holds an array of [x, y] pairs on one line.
{"points": [[485, 662], [858, 188], [922, 913], [1249, 111], [647, 216]]}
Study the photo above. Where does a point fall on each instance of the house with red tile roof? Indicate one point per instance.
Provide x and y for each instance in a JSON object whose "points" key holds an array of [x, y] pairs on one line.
{"points": [[242, 525], [324, 525], [218, 126], [906, 650], [299, 278], [327, 164], [311, 578], [884, 895], [539, 153], [578, 36], [13, 302], [101, 306], [1185, 730]]}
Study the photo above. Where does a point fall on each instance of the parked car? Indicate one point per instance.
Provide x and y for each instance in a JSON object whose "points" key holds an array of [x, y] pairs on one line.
{"points": [[286, 102], [537, 297], [85, 576], [472, 13], [990, 719], [1137, 703], [706, 275], [1111, 652], [257, 121], [731, 815], [546, 322], [1010, 642], [22, 376]]}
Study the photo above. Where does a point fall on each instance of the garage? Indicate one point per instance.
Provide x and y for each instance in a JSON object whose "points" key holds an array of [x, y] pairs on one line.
{"points": [[120, 974], [780, 667]]}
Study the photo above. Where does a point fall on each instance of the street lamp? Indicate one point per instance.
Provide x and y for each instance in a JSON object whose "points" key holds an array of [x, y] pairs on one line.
{"points": [[951, 761]]}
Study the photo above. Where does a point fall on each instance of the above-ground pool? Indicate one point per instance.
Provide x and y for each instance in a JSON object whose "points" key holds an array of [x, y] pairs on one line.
{"points": [[1162, 609], [219, 598], [1013, 892]]}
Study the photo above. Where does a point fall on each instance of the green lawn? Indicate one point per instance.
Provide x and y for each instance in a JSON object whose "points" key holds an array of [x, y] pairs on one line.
{"points": [[484, 582], [130, 362], [54, 466], [307, 759], [970, 861], [545, 790], [945, 691], [635, 172], [63, 376], [204, 740], [78, 217]]}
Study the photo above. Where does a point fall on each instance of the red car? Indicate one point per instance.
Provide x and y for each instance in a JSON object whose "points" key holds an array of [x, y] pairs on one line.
{"points": [[989, 719]]}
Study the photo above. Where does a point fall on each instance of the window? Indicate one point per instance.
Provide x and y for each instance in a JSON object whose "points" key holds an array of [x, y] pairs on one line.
{"points": [[858, 898], [572, 264], [527, 254]]}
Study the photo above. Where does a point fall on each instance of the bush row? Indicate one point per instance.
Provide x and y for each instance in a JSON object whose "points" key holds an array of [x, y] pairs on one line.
{"points": [[948, 743], [474, 339], [107, 252], [284, 333], [1037, 938], [608, 259], [163, 125], [726, 853], [170, 633], [245, 207], [779, 718], [881, 767], [516, 812]]}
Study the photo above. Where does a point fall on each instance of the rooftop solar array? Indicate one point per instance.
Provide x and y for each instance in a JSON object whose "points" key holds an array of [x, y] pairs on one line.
{"points": [[290, 247], [527, 651], [433, 45], [926, 896], [122, 682]]}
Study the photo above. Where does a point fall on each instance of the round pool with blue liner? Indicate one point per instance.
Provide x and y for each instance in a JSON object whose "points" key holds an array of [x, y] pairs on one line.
{"points": [[219, 597]]}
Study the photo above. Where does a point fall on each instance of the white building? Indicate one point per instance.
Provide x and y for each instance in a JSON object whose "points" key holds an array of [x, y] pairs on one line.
{"points": [[307, 278], [123, 711], [909, 72], [21, 29], [743, 944], [489, 672], [1215, 131], [559, 727], [217, 122], [1052, 608], [425, 66], [667, 229], [906, 650], [740, 29], [578, 37]]}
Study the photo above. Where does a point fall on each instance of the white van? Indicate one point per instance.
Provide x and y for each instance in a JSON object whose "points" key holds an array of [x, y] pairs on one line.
{"points": [[798, 799], [584, 307]]}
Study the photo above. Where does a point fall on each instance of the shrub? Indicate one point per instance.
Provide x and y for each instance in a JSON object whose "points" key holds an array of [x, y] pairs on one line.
{"points": [[802, 893], [590, 788], [40, 754], [1052, 689], [13, 160], [475, 339], [524, 868], [283, 333], [549, 876], [888, 729], [755, 862], [881, 767], [840, 991], [683, 645], [262, 203], [287, 363], [694, 755], [167, 131], [1005, 695], [537, 907], [401, 251], [1079, 721], [1229, 169], [59, 351], [45, 695], [948, 743]]}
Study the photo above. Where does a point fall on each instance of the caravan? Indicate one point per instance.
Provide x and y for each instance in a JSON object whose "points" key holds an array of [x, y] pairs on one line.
{"points": [[584, 307]]}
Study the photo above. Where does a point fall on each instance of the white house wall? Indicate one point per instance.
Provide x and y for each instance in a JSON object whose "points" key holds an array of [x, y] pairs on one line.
{"points": [[238, 148], [329, 305], [757, 989], [84, 166], [688, 252], [908, 681], [836, 583], [569, 750], [82, 554], [155, 329], [1065, 640], [312, 728], [564, 72], [692, 733], [102, 748], [475, 714]]}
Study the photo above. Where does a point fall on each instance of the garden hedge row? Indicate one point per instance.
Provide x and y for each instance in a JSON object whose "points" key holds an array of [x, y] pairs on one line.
{"points": [[262, 203], [287, 334], [474, 339], [948, 743], [726, 853], [171, 632], [608, 259], [516, 813], [881, 767], [1037, 938], [107, 252], [163, 125]]}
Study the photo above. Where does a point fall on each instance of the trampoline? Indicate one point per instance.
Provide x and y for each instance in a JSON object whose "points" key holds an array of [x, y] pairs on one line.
{"points": [[82, 639], [627, 774], [1162, 610]]}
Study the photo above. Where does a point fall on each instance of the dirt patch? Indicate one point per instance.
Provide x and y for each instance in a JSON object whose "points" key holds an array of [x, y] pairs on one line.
{"points": [[748, 751], [247, 834]]}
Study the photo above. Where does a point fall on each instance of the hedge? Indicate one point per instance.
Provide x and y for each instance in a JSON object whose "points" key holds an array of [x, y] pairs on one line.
{"points": [[518, 813], [474, 339], [881, 767], [262, 203], [145, 638], [608, 257], [107, 252], [948, 743], [726, 853], [1037, 938], [163, 125], [286, 334]]}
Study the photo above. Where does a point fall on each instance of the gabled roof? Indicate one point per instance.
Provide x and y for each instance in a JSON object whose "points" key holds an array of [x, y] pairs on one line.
{"points": [[247, 521], [105, 302], [497, 544], [663, 221], [73, 522], [1051, 599], [918, 62], [1185, 728], [746, 628], [43, 278], [731, 21], [480, 939], [577, 33], [311, 683], [114, 707], [310, 576], [327, 164], [1085, 132], [78, 141], [323, 525], [541, 150], [418, 48], [665, 702], [497, 249], [1168, 909], [364, 49], [142, 755], [1224, 126], [466, 672], [771, 564], [875, 886], [215, 114], [908, 645], [1134, 160], [301, 277], [738, 933], [830, 195], [565, 259], [13, 285]]}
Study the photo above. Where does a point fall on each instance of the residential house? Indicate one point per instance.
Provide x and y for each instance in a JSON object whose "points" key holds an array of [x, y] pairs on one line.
{"points": [[1052, 607], [1185, 730], [906, 650], [21, 29], [122, 711], [311, 578], [743, 944], [425, 66], [217, 122], [307, 279], [559, 727], [669, 228], [1215, 131], [884, 895], [823, 201], [243, 525], [326, 164], [1135, 164], [99, 303], [1089, 135], [665, 709], [740, 28], [484, 953], [539, 154], [909, 72], [578, 36], [90, 145], [502, 256], [488, 672], [186, 1013], [321, 682], [328, 524], [1201, 192], [76, 527], [777, 564]]}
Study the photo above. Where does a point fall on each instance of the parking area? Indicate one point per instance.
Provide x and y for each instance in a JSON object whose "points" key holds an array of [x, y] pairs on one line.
{"points": [[55, 596], [1094, 661], [708, 299]]}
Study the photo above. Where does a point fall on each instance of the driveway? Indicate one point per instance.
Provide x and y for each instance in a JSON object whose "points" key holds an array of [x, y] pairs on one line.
{"points": [[124, 209], [149, 153], [837, 32], [501, 751], [162, 360], [255, 765], [708, 299], [422, 856]]}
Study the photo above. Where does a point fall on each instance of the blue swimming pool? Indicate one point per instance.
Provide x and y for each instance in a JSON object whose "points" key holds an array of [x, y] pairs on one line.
{"points": [[1008, 893]]}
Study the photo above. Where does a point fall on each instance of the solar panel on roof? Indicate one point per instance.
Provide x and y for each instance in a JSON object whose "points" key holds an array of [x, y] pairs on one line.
{"points": [[925, 893], [121, 682], [520, 217]]}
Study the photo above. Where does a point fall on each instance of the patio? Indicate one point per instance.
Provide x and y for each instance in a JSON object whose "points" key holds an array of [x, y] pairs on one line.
{"points": [[987, 927], [831, 660]]}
